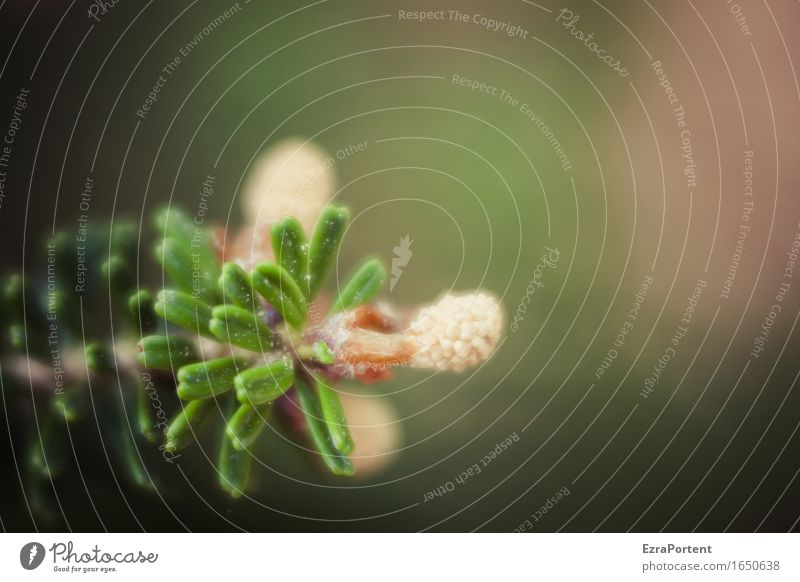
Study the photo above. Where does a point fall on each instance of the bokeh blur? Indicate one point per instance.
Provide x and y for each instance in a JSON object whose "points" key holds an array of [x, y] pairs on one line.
{"points": [[621, 174]]}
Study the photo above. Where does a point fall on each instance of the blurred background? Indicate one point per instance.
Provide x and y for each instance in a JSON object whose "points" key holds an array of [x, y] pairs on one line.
{"points": [[646, 150]]}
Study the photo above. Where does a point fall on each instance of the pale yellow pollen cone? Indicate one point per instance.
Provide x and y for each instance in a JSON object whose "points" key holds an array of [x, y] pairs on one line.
{"points": [[292, 178], [458, 332]]}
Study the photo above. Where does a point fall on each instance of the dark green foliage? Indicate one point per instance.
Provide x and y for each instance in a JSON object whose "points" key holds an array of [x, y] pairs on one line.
{"points": [[217, 330]]}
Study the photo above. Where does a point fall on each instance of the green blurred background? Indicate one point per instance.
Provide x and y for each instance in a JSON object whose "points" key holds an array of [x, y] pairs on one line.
{"points": [[479, 188]]}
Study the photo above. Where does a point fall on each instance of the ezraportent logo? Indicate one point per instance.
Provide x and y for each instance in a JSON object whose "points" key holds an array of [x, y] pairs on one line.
{"points": [[31, 555]]}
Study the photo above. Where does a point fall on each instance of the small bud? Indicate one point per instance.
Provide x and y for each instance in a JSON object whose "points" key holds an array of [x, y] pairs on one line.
{"points": [[366, 343]]}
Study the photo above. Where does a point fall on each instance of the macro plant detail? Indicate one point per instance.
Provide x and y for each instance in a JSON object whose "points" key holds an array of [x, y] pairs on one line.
{"points": [[58, 373], [246, 339], [243, 329]]}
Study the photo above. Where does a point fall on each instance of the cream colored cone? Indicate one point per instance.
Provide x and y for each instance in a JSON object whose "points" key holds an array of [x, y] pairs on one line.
{"points": [[458, 332], [375, 430], [292, 178]]}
